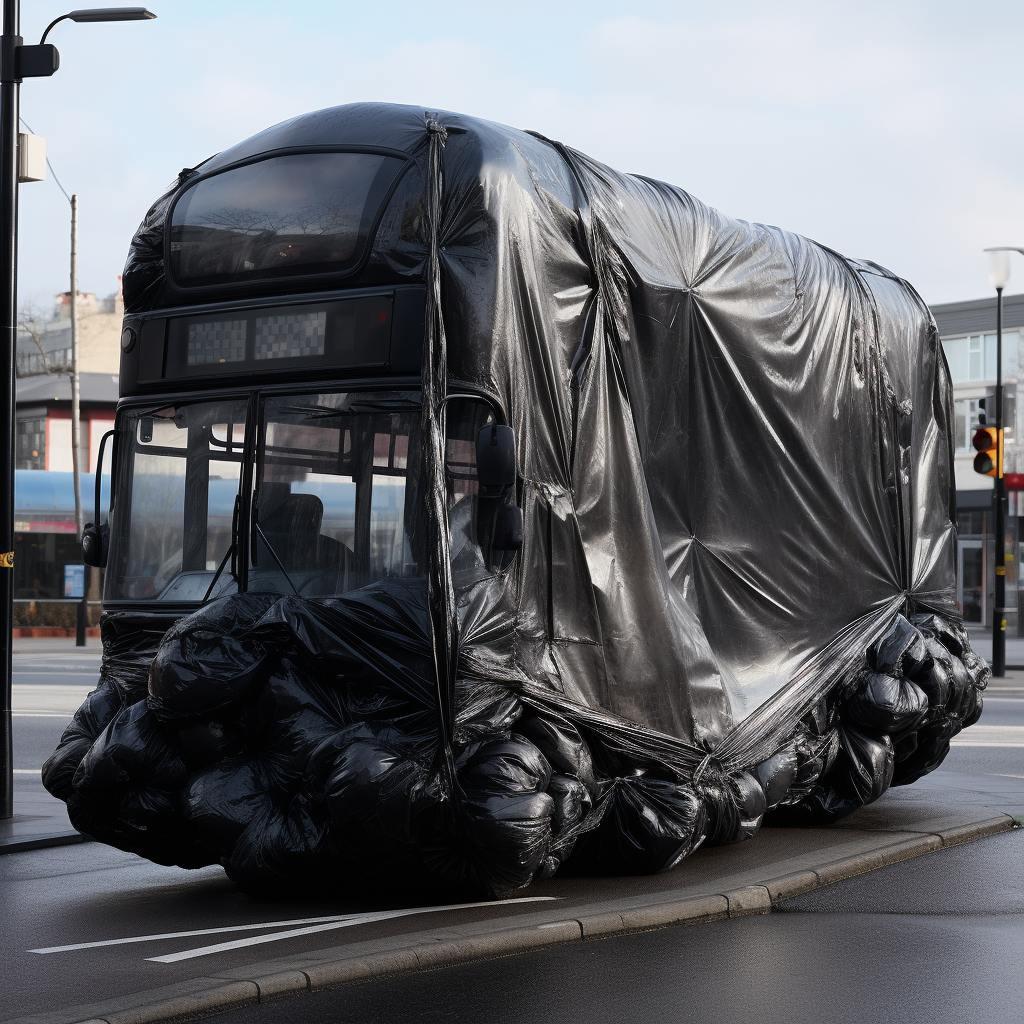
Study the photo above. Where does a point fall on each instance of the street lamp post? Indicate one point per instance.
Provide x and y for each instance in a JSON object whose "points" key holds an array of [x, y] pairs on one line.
{"points": [[18, 62], [82, 608], [999, 275]]}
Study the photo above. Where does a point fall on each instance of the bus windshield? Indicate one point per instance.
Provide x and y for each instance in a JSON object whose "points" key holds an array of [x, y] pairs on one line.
{"points": [[177, 485], [336, 498], [337, 502]]}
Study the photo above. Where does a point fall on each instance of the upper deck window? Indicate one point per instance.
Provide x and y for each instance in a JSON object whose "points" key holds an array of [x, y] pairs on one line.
{"points": [[299, 213]]}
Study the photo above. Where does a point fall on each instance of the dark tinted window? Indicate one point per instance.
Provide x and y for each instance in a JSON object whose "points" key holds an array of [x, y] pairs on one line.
{"points": [[172, 522], [298, 213], [338, 500]]}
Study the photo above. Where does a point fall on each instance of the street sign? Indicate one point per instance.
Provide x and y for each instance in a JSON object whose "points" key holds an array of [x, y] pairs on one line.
{"points": [[74, 581]]}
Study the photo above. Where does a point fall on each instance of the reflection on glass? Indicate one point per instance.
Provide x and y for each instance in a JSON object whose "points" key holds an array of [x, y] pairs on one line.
{"points": [[974, 358], [175, 501], [296, 210], [337, 501], [470, 517]]}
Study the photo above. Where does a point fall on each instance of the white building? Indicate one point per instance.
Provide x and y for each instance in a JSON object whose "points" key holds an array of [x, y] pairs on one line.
{"points": [[968, 332]]}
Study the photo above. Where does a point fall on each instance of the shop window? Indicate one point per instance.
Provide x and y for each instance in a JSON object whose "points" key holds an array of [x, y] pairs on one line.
{"points": [[30, 444]]}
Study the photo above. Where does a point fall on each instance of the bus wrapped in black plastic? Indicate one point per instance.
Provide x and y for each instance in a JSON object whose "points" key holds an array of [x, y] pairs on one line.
{"points": [[478, 509]]}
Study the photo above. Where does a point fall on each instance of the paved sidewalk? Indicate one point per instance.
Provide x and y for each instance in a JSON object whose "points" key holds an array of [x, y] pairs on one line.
{"points": [[981, 641], [51, 679], [55, 644], [39, 819]]}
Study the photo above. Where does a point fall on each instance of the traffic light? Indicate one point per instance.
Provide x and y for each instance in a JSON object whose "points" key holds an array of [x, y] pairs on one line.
{"points": [[988, 442]]}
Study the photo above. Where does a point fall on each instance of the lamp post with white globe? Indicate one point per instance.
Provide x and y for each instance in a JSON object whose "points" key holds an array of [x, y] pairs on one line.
{"points": [[17, 62], [999, 275]]}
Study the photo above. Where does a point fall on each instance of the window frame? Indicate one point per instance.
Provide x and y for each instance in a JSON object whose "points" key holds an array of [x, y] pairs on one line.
{"points": [[300, 279]]}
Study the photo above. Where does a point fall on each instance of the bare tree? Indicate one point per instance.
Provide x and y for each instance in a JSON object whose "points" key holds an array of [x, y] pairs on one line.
{"points": [[32, 320]]}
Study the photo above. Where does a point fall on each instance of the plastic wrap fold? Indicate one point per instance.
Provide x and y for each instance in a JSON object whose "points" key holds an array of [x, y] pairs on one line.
{"points": [[736, 598]]}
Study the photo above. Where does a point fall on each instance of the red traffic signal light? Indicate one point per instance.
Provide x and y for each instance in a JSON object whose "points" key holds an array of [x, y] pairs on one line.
{"points": [[988, 442]]}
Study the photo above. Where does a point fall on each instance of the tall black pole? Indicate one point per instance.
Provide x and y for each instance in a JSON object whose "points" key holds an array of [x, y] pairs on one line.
{"points": [[999, 618], [9, 89]]}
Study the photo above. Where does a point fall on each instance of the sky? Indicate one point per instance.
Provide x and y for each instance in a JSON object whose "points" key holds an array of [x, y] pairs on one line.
{"points": [[887, 131]]}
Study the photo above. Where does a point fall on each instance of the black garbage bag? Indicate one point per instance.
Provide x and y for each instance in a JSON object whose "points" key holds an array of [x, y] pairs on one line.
{"points": [[861, 773], [777, 776], [572, 803], [901, 651], [934, 679], [284, 845], [128, 652], [950, 634], [736, 807], [927, 753], [221, 802], [977, 668], [647, 825], [497, 831], [883, 704], [208, 741], [377, 789], [127, 790], [562, 745], [100, 708], [209, 662]]}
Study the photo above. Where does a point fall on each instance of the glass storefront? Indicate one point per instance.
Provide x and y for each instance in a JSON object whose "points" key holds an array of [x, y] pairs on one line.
{"points": [[976, 559]]}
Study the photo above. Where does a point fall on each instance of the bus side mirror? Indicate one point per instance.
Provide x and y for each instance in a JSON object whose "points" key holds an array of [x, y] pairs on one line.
{"points": [[508, 532], [95, 541], [496, 456]]}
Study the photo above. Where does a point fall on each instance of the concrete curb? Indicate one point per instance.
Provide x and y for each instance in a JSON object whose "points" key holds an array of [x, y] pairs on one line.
{"points": [[19, 844], [205, 996]]}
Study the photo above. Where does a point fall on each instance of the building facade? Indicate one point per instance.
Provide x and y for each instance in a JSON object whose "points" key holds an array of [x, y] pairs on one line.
{"points": [[45, 530], [968, 332]]}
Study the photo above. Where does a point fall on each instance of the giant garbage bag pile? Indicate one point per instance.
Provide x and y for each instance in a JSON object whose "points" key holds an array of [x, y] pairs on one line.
{"points": [[735, 601]]}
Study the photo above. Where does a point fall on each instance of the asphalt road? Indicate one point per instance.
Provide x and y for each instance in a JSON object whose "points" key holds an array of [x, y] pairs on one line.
{"points": [[825, 960], [41, 715], [936, 939]]}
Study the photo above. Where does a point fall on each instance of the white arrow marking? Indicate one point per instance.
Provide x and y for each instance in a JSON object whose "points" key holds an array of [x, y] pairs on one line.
{"points": [[316, 924], [350, 922], [179, 935]]}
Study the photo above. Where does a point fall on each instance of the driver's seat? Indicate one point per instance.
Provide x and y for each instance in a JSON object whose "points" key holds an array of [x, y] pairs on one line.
{"points": [[293, 528]]}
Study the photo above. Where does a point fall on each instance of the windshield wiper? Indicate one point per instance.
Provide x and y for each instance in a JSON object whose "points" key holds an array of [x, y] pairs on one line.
{"points": [[280, 564], [220, 569], [228, 554]]}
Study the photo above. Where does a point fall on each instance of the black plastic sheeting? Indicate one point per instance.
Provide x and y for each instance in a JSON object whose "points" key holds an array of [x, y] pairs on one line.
{"points": [[735, 603]]}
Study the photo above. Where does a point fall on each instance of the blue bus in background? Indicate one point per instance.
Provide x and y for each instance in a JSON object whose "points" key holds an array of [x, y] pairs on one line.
{"points": [[45, 534]]}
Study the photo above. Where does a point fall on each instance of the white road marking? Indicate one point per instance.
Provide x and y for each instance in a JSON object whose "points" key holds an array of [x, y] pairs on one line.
{"points": [[316, 924], [42, 714], [46, 700], [990, 736], [349, 922], [27, 771], [176, 935]]}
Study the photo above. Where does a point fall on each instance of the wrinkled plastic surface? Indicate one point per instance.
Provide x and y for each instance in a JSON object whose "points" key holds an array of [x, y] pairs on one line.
{"points": [[735, 602]]}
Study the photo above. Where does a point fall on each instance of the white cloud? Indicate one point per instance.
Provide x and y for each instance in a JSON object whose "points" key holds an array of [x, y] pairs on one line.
{"points": [[871, 128]]}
